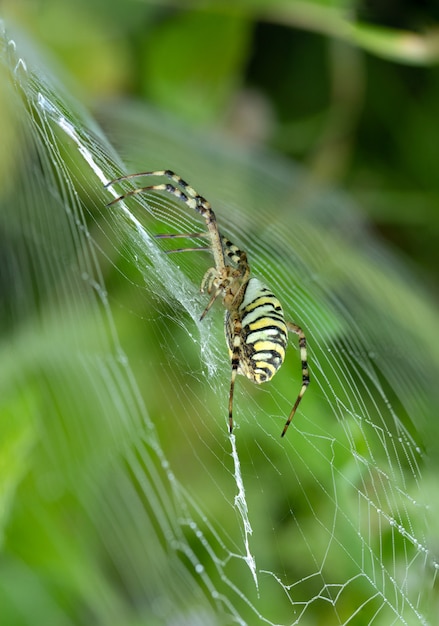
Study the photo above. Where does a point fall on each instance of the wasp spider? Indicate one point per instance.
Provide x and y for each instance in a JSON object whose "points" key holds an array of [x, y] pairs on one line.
{"points": [[255, 326]]}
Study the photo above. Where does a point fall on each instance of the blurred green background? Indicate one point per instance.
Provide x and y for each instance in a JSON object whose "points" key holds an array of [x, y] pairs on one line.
{"points": [[349, 92], [361, 116]]}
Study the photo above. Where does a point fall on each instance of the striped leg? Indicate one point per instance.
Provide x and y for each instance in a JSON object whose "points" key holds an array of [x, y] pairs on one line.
{"points": [[229, 249], [305, 373], [235, 364], [189, 197]]}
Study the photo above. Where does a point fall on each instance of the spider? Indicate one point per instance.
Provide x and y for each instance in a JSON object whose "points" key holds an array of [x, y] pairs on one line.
{"points": [[255, 326]]}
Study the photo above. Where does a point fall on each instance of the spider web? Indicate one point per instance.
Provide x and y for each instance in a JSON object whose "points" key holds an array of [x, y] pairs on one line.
{"points": [[123, 468]]}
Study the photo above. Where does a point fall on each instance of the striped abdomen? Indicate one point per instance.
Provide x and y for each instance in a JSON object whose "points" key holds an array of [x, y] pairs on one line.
{"points": [[263, 335]]}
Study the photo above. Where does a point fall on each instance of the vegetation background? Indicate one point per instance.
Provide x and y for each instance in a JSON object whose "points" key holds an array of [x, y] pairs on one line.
{"points": [[356, 106], [348, 91]]}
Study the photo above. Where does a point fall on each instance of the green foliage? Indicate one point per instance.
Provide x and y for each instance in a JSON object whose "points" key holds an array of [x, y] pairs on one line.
{"points": [[108, 383], [193, 63]]}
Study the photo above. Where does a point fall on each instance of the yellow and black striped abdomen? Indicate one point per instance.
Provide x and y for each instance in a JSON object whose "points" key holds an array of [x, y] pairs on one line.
{"points": [[263, 333]]}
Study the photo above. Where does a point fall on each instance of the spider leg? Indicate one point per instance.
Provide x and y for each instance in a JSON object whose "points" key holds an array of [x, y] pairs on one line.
{"points": [[215, 295], [197, 249], [189, 197], [235, 365], [185, 235], [305, 373], [236, 255], [190, 201], [175, 177]]}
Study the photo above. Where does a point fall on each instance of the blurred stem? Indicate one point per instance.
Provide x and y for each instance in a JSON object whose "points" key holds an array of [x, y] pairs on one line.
{"points": [[403, 46], [329, 161], [398, 45]]}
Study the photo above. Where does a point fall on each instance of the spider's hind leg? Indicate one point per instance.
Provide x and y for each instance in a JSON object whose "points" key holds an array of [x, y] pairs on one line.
{"points": [[235, 361], [305, 372]]}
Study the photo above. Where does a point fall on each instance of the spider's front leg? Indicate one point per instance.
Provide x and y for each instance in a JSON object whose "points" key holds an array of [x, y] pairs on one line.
{"points": [[220, 283], [213, 282]]}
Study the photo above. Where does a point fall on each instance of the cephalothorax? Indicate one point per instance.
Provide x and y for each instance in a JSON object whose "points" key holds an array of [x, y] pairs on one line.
{"points": [[255, 326]]}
